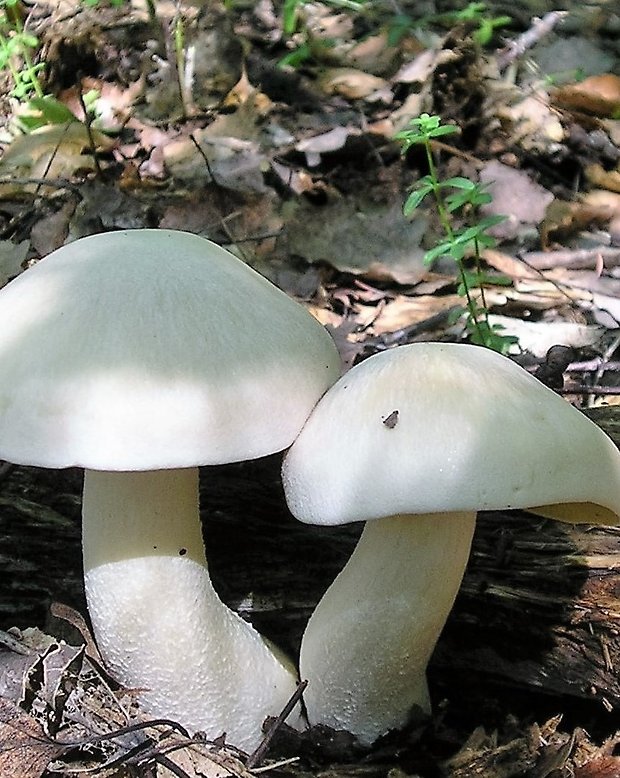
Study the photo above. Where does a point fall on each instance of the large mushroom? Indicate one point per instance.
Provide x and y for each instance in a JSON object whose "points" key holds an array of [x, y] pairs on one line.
{"points": [[414, 441], [139, 355]]}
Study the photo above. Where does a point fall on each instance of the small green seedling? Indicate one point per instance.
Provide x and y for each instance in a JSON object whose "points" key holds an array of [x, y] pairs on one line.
{"points": [[485, 25], [311, 48], [16, 48], [450, 196]]}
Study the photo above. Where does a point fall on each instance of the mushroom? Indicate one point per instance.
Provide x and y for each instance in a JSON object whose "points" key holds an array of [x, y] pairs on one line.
{"points": [[414, 441], [140, 355]]}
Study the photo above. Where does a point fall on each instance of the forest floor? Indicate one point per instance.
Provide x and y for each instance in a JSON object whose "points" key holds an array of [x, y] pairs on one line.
{"points": [[280, 145]]}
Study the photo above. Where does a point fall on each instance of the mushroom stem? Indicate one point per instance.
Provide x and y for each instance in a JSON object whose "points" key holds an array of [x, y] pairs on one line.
{"points": [[158, 621], [367, 644]]}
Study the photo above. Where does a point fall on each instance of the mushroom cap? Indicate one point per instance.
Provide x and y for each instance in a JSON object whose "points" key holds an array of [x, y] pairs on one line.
{"points": [[153, 349], [437, 428]]}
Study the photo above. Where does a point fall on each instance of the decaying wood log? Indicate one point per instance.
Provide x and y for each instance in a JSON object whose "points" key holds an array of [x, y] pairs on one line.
{"points": [[539, 609]]}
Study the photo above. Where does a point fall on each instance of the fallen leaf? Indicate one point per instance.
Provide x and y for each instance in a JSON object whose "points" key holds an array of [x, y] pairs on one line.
{"points": [[598, 95], [12, 258], [54, 151], [350, 83], [320, 144], [514, 268], [113, 105], [233, 163], [608, 179], [374, 240], [373, 54], [25, 751], [533, 124], [404, 311], [516, 196], [537, 337], [564, 218]]}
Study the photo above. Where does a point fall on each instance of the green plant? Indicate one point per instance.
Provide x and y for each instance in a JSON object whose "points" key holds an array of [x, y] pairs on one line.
{"points": [[311, 48], [474, 13], [452, 195], [16, 48]]}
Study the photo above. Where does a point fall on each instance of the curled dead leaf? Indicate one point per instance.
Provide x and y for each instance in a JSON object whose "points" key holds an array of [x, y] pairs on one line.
{"points": [[350, 83], [598, 95]]}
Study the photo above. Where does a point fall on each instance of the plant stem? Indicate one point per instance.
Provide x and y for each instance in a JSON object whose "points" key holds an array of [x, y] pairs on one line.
{"points": [[444, 219]]}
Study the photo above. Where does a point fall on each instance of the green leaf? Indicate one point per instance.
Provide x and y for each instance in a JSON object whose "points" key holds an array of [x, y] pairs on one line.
{"points": [[289, 16], [458, 182], [296, 57], [457, 251], [414, 199], [455, 314], [491, 221], [445, 129], [52, 110], [440, 250]]}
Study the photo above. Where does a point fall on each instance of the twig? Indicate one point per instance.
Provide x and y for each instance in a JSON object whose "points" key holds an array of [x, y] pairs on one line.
{"points": [[438, 145], [593, 366], [203, 154], [594, 390], [55, 183], [538, 30], [88, 120], [579, 259], [405, 334], [275, 765], [256, 756]]}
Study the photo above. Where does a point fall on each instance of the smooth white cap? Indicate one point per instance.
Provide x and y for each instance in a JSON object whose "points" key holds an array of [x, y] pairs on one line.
{"points": [[153, 349], [473, 431]]}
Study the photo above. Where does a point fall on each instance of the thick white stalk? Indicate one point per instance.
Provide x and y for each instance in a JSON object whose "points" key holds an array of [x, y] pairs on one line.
{"points": [[159, 624], [369, 640]]}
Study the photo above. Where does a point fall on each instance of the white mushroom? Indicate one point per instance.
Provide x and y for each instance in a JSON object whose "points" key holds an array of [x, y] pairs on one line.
{"points": [[140, 355], [415, 441]]}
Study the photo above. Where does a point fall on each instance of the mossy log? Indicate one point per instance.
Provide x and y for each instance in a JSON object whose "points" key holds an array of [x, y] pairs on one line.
{"points": [[538, 611]]}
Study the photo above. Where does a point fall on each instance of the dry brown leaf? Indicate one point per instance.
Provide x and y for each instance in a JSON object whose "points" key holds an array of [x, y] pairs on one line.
{"points": [[12, 258], [327, 141], [516, 196], [598, 95], [534, 125], [515, 268], [233, 163], [54, 151], [538, 337], [419, 69], [360, 238], [25, 751], [602, 198], [350, 83], [373, 54], [608, 179], [298, 181], [564, 218], [404, 311], [114, 103]]}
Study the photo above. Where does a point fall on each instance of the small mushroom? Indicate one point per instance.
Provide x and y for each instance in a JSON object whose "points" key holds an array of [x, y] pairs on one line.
{"points": [[475, 432], [139, 355]]}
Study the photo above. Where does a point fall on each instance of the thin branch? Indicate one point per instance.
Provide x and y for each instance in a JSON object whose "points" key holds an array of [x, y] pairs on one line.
{"points": [[256, 757], [539, 29]]}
